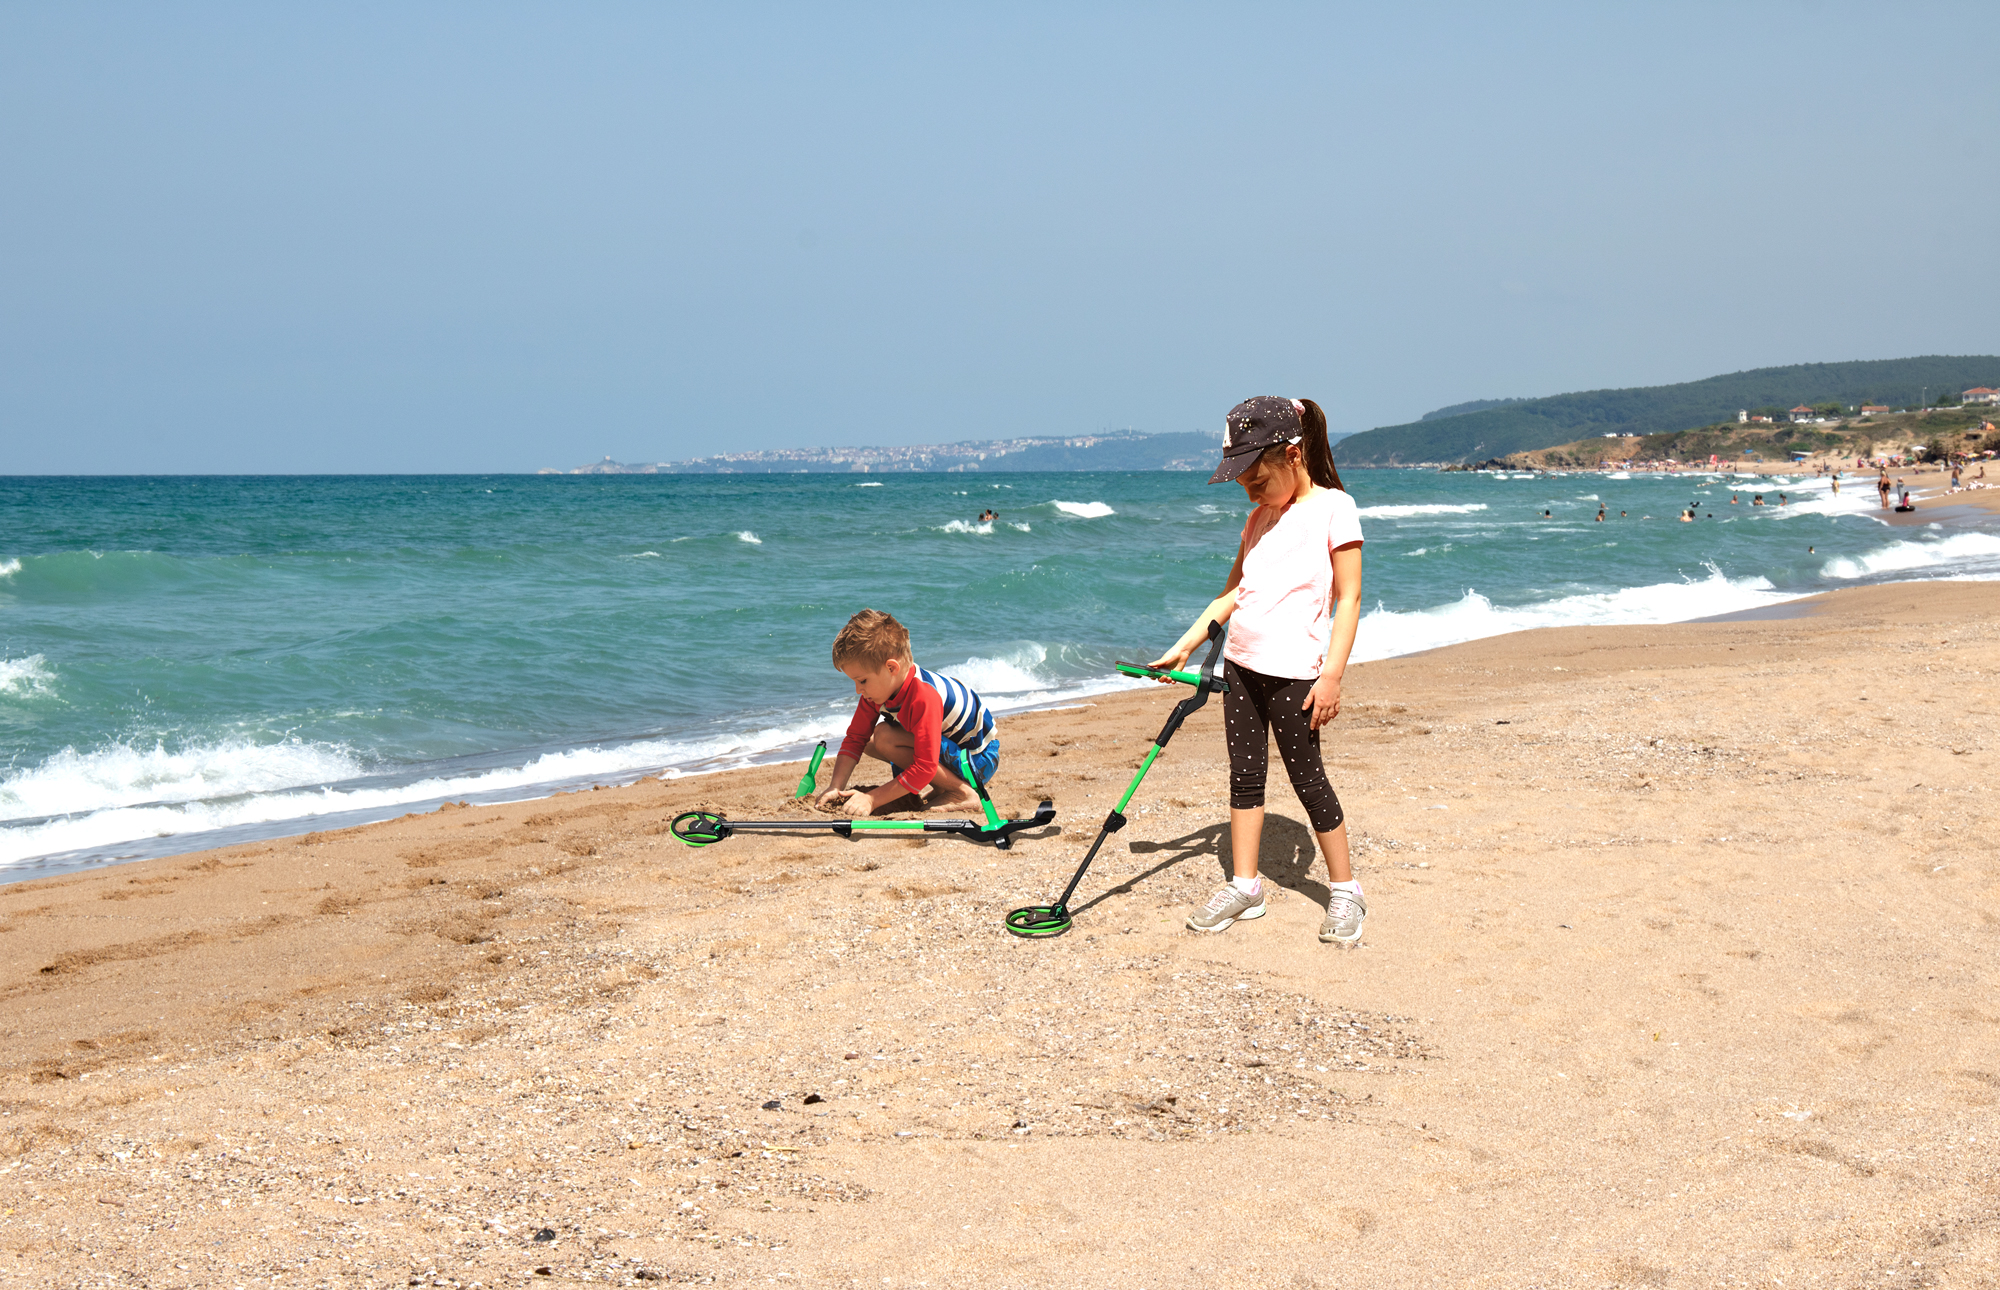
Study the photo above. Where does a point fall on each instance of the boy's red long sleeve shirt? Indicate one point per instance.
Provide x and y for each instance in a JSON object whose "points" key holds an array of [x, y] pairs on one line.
{"points": [[917, 708]]}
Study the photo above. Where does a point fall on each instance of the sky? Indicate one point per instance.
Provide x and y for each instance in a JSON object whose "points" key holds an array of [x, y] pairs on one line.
{"points": [[451, 237]]}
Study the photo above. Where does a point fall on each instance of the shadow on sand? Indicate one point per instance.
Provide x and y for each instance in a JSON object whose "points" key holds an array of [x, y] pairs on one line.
{"points": [[1288, 856]]}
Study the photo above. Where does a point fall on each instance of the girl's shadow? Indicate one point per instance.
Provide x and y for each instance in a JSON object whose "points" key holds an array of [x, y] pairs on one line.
{"points": [[1289, 855]]}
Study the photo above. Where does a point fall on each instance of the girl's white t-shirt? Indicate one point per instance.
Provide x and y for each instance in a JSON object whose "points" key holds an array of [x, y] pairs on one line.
{"points": [[1280, 625]]}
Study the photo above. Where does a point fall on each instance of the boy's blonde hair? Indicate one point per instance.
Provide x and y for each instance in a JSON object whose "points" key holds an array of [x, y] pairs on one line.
{"points": [[871, 637]]}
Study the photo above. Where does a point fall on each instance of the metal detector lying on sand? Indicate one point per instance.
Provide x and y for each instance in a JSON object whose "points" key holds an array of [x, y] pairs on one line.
{"points": [[1054, 920], [700, 828]]}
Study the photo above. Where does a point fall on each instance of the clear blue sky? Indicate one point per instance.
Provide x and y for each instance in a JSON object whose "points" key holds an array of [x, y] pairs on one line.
{"points": [[496, 237]]}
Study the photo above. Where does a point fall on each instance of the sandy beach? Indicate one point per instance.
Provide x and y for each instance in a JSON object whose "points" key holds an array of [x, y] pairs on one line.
{"points": [[1679, 971]]}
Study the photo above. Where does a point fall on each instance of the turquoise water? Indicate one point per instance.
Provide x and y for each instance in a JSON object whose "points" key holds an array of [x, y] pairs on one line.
{"points": [[238, 657]]}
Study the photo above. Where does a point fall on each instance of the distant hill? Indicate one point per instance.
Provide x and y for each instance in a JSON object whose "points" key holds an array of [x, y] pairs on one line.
{"points": [[1119, 450], [1528, 424], [1460, 409]]}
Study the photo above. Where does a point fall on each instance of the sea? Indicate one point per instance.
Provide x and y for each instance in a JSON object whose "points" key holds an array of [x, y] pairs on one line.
{"points": [[188, 662]]}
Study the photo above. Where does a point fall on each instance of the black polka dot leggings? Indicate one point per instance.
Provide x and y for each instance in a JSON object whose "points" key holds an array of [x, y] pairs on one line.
{"points": [[1256, 708]]}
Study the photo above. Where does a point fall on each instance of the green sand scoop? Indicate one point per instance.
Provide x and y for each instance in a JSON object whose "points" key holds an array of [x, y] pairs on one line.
{"points": [[811, 780]]}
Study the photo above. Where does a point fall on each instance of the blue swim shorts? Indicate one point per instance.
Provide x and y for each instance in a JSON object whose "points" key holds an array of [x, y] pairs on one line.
{"points": [[984, 765]]}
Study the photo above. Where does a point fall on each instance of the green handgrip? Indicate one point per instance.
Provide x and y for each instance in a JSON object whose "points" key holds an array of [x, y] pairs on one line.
{"points": [[872, 826], [811, 780], [1154, 673]]}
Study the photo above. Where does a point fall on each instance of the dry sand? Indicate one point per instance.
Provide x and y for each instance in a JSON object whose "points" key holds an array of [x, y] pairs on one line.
{"points": [[1679, 971]]}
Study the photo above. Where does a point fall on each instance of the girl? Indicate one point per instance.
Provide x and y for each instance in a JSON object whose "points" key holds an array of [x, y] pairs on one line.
{"points": [[1301, 551]]}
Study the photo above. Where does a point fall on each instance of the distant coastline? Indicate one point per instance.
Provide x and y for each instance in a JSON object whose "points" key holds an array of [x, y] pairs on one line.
{"points": [[1117, 450]]}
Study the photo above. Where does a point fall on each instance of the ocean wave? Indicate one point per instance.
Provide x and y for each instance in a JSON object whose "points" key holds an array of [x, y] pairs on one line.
{"points": [[1084, 510], [1386, 633], [1019, 678], [746, 535], [1430, 508], [8, 568], [1022, 527], [24, 676], [965, 526], [1977, 553], [869, 483], [645, 555], [120, 794], [122, 774]]}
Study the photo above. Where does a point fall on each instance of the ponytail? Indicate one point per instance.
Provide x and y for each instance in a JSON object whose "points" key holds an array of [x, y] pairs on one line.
{"points": [[1314, 448]]}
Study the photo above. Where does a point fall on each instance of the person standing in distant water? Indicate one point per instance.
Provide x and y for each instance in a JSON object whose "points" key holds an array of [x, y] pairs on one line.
{"points": [[1836, 483], [1299, 556], [1600, 512]]}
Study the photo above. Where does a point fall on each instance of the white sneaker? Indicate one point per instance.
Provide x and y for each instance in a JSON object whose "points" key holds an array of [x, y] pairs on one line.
{"points": [[1226, 906], [1345, 914]]}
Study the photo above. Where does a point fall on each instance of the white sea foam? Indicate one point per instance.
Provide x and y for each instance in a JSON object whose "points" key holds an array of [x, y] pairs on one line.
{"points": [[1084, 510], [23, 676], [747, 536], [1024, 528], [1018, 679], [8, 568], [1385, 633], [1619, 474], [122, 774], [119, 793], [645, 555], [1968, 554], [122, 793], [965, 526], [1431, 508], [869, 483]]}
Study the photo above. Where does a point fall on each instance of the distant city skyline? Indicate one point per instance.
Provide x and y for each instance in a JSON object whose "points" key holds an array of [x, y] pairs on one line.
{"points": [[378, 239]]}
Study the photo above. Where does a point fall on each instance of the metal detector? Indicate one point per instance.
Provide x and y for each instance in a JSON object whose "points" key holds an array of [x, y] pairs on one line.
{"points": [[703, 828], [1054, 920]]}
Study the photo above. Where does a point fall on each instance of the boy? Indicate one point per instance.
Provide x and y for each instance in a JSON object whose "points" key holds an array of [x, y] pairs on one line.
{"points": [[929, 719]]}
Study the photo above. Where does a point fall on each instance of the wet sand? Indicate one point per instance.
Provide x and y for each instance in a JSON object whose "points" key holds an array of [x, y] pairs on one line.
{"points": [[1679, 970]]}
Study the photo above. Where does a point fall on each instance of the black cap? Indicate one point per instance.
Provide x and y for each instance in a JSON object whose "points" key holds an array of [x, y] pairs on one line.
{"points": [[1254, 425]]}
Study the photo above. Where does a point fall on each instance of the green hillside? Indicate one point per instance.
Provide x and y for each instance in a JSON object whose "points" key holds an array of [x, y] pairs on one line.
{"points": [[1662, 409]]}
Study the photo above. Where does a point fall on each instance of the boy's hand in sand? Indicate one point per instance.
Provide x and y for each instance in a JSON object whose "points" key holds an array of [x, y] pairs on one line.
{"points": [[1323, 699], [833, 799], [852, 802]]}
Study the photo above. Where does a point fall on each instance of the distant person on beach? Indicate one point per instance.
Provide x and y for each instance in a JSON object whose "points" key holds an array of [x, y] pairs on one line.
{"points": [[926, 720], [1882, 488], [1836, 483], [1300, 554]]}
